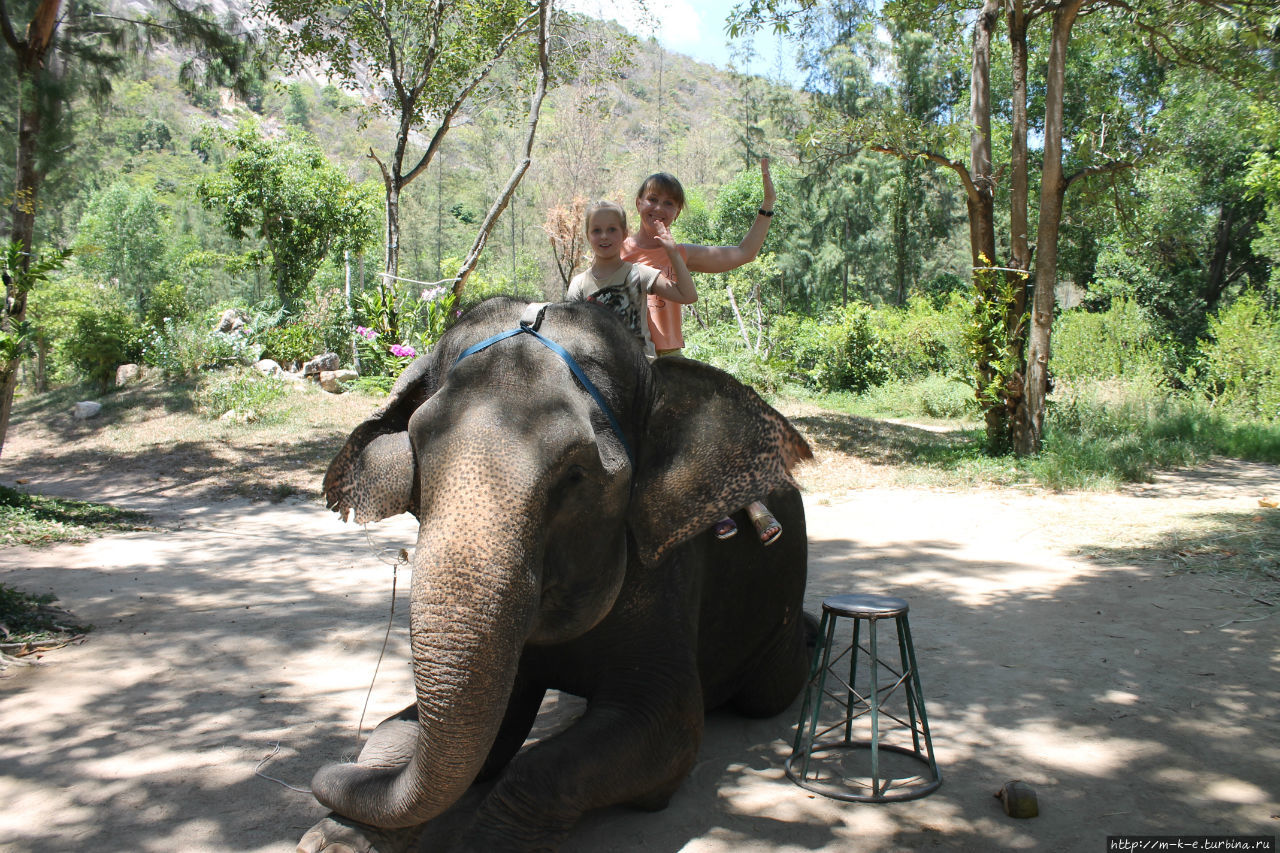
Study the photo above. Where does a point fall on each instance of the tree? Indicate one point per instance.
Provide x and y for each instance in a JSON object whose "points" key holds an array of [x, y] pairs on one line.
{"points": [[429, 58], [285, 191], [564, 229], [122, 237], [66, 50], [1233, 38]]}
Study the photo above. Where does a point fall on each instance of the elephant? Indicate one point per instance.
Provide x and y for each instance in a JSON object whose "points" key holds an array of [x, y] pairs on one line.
{"points": [[564, 487]]}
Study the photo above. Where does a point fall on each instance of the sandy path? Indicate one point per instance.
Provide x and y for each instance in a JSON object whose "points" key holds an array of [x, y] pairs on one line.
{"points": [[1133, 701]]}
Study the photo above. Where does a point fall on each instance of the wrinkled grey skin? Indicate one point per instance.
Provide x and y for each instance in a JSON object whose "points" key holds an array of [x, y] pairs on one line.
{"points": [[544, 561]]}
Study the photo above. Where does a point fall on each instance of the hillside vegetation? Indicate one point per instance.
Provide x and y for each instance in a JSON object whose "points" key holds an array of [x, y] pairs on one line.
{"points": [[864, 296]]}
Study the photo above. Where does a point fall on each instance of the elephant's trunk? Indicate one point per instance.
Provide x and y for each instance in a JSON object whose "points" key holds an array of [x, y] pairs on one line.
{"points": [[474, 601]]}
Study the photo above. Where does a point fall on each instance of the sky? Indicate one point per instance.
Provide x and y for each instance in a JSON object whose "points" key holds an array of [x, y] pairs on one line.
{"points": [[695, 28]]}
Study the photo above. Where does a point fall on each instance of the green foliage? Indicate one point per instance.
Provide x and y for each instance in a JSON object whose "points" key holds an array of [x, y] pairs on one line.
{"points": [[104, 337], [251, 395], [919, 340], [168, 300], [19, 280], [289, 343], [994, 340], [837, 352], [35, 520], [1114, 432], [1238, 365], [930, 397], [1121, 342], [185, 347], [285, 191], [122, 237]]}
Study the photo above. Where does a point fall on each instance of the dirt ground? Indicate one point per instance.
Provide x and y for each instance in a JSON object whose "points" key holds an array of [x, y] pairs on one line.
{"points": [[1060, 640]]}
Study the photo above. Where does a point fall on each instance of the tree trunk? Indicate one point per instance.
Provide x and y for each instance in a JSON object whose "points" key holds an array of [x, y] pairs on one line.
{"points": [[1019, 227], [980, 197], [1053, 187], [30, 62]]}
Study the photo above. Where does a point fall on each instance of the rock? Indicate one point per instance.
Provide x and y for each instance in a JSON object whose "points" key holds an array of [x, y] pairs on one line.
{"points": [[334, 381], [86, 409], [328, 361], [127, 373], [236, 416], [268, 367], [231, 321]]}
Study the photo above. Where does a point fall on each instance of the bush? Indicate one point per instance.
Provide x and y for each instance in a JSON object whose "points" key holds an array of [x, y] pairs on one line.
{"points": [[167, 301], [920, 339], [1119, 343], [289, 343], [839, 352], [103, 339], [247, 392], [184, 347], [1238, 365]]}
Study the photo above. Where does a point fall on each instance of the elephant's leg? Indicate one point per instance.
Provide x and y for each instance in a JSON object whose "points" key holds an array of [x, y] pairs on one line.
{"points": [[778, 677], [391, 745], [630, 748], [522, 710], [337, 834]]}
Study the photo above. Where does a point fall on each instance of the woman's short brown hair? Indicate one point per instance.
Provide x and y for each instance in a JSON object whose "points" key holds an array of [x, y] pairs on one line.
{"points": [[665, 183]]}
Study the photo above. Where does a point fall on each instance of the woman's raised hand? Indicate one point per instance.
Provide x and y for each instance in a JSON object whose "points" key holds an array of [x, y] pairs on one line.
{"points": [[769, 195], [663, 234]]}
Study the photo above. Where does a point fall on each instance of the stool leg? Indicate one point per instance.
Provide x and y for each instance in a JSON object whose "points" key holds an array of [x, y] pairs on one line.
{"points": [[915, 679], [815, 700], [908, 673], [876, 790], [807, 699], [853, 681]]}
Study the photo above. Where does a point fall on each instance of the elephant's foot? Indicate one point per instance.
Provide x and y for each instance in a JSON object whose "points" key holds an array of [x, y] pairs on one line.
{"points": [[337, 834], [657, 799]]}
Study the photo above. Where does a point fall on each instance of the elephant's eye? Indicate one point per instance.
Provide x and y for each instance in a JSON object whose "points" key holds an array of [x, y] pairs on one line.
{"points": [[567, 489]]}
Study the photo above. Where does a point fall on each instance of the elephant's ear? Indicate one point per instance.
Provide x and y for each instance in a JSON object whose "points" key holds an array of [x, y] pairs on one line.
{"points": [[710, 448], [373, 473]]}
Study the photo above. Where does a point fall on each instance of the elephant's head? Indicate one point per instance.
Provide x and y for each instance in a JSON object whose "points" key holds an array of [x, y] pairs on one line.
{"points": [[529, 492]]}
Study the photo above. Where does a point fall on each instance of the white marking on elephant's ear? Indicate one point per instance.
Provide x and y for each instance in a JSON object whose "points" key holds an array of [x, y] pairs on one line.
{"points": [[382, 478]]}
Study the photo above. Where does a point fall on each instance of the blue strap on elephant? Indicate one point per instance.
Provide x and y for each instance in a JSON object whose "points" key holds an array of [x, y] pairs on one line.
{"points": [[532, 329]]}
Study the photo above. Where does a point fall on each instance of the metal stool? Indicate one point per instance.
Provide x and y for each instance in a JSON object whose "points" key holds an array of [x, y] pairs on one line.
{"points": [[835, 765]]}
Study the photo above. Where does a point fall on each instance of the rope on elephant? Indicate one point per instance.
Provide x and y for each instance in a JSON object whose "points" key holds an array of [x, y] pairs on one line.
{"points": [[401, 557], [257, 771]]}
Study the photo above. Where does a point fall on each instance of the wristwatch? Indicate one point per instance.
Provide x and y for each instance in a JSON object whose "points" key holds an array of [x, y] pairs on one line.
{"points": [[764, 212]]}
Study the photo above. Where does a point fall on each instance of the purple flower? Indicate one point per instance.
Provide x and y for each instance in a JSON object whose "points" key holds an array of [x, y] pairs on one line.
{"points": [[403, 351], [366, 333], [432, 294]]}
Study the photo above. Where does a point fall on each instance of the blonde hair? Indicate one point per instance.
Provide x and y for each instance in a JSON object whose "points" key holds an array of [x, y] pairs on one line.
{"points": [[597, 206]]}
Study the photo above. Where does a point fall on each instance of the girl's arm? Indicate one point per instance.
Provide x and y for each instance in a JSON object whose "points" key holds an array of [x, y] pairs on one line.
{"points": [[681, 290], [725, 258]]}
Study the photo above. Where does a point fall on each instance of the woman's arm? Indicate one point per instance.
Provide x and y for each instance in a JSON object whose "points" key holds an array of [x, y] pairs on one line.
{"points": [[724, 258]]}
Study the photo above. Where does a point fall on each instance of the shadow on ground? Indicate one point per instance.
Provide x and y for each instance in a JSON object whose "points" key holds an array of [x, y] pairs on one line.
{"points": [[1134, 702]]}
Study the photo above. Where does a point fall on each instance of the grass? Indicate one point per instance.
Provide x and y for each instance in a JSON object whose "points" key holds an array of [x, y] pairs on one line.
{"points": [[27, 619], [1096, 439], [35, 520]]}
